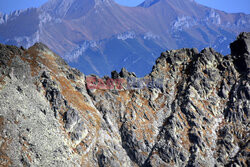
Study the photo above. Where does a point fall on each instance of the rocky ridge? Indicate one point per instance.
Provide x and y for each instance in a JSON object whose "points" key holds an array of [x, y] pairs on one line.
{"points": [[198, 117]]}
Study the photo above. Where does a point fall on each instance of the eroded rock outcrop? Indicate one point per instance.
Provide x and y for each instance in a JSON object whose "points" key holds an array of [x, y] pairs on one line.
{"points": [[191, 110]]}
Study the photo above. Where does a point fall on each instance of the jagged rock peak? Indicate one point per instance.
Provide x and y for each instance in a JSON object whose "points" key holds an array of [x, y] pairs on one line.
{"points": [[123, 74], [41, 46], [242, 44], [53, 114], [240, 50]]}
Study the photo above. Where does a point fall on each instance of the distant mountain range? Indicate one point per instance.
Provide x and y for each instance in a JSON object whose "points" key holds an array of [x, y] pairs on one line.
{"points": [[98, 36]]}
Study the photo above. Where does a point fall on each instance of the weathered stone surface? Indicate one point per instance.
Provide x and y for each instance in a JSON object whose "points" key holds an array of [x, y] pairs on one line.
{"points": [[241, 51], [191, 110]]}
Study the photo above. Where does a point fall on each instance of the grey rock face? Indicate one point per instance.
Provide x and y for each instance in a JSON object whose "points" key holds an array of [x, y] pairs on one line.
{"points": [[241, 51], [198, 117]]}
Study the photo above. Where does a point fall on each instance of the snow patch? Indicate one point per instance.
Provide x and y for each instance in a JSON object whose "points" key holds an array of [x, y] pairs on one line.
{"points": [[13, 15], [135, 61], [183, 22], [222, 39], [3, 18], [213, 17], [26, 41], [44, 18], [126, 35], [76, 53], [124, 60], [150, 35], [241, 22], [17, 13]]}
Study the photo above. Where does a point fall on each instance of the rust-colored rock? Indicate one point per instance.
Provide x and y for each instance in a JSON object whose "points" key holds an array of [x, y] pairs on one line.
{"points": [[191, 110]]}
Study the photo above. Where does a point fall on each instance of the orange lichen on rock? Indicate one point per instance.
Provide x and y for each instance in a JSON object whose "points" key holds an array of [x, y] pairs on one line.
{"points": [[2, 82], [26, 151], [139, 117], [184, 131], [5, 161], [73, 96], [33, 56], [2, 77], [123, 96], [77, 100]]}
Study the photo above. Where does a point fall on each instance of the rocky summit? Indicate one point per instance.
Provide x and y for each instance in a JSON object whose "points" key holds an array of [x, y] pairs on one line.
{"points": [[191, 110]]}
